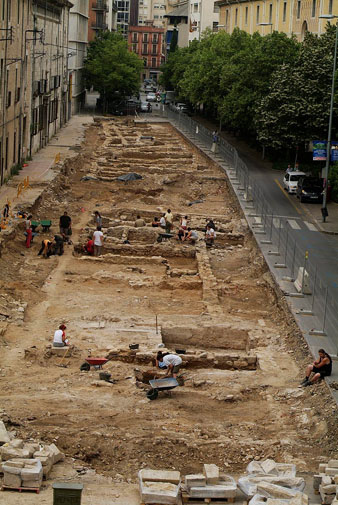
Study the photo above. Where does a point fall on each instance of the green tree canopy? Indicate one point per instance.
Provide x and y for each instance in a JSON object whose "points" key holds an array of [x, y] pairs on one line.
{"points": [[110, 68]]}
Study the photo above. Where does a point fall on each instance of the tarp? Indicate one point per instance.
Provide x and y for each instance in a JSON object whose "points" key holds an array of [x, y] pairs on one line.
{"points": [[131, 176]]}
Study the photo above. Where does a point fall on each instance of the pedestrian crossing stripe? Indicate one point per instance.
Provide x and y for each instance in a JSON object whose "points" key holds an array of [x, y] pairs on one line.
{"points": [[310, 226]]}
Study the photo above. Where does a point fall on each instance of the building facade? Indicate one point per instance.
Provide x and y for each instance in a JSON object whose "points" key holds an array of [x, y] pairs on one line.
{"points": [[202, 14], [152, 11], [148, 43], [51, 86], [78, 41], [16, 41], [178, 18], [98, 17], [288, 16]]}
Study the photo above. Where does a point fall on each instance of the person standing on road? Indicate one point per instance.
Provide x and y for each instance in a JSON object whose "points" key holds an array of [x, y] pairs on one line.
{"points": [[29, 232], [98, 241], [65, 227], [169, 218], [321, 368]]}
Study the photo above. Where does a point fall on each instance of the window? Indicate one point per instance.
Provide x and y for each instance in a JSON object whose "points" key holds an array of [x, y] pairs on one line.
{"points": [[284, 11], [155, 16], [270, 13], [216, 8], [330, 6], [298, 8], [14, 147], [154, 50], [246, 15], [135, 37], [236, 16], [9, 98], [153, 62], [155, 38], [195, 7], [215, 26], [257, 15], [145, 49], [313, 12], [18, 11], [134, 46], [145, 37], [227, 18]]}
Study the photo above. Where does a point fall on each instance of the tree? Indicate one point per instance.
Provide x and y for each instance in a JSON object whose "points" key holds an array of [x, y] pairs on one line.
{"points": [[111, 69]]}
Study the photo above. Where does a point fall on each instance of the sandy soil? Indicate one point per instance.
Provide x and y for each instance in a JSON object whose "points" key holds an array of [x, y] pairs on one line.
{"points": [[223, 416]]}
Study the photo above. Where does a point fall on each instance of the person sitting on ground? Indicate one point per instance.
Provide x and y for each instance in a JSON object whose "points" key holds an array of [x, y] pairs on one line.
{"points": [[211, 224], [162, 221], [169, 218], [139, 222], [60, 339], [66, 227], [210, 236], [171, 361], [89, 247], [98, 241], [191, 236], [155, 223], [97, 218], [321, 368], [46, 248]]}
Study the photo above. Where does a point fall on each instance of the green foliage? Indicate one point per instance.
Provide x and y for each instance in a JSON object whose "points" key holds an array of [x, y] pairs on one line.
{"points": [[15, 169], [333, 178], [110, 68]]}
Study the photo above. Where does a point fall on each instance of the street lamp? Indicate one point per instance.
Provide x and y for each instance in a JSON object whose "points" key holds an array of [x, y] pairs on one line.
{"points": [[328, 152], [266, 24]]}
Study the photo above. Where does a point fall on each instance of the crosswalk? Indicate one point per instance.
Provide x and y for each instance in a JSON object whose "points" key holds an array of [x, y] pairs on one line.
{"points": [[278, 222]]}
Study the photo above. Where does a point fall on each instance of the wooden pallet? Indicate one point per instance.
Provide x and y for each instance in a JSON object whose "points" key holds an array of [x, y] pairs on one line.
{"points": [[20, 489], [213, 501]]}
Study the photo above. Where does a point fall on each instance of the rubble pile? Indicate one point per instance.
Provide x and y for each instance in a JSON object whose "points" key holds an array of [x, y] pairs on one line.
{"points": [[326, 482], [210, 485]]}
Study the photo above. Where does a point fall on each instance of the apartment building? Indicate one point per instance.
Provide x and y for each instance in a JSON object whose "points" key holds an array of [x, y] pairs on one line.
{"points": [[148, 43], [203, 14], [78, 41], [16, 41], [98, 17], [288, 16], [152, 11]]}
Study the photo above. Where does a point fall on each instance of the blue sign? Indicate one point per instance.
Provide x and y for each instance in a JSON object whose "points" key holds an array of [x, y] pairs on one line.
{"points": [[319, 150], [334, 150]]}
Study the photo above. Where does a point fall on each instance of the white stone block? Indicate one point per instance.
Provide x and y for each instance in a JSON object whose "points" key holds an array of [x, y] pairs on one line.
{"points": [[4, 437], [195, 480], [269, 466], [274, 491], [159, 492], [32, 483], [328, 488], [170, 476], [17, 444], [12, 480], [322, 467], [8, 452], [211, 473], [56, 453], [331, 471], [333, 463], [212, 491]]}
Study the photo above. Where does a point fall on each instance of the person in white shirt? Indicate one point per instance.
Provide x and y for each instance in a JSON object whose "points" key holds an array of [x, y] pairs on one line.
{"points": [[98, 241], [210, 236], [162, 221], [60, 339], [171, 361]]}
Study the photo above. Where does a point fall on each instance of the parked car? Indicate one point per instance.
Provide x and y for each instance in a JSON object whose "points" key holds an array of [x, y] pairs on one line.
{"points": [[126, 107], [146, 107], [290, 181], [151, 97], [310, 189]]}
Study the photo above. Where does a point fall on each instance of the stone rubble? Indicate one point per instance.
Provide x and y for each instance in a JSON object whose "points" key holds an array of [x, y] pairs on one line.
{"points": [[325, 482]]}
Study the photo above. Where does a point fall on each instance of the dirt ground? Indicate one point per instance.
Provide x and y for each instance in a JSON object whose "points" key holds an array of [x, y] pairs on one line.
{"points": [[224, 416]]}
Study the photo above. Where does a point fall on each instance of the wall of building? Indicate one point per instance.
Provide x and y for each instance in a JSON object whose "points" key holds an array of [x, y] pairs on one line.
{"points": [[289, 16], [202, 14], [148, 43], [78, 41], [15, 83], [51, 86]]}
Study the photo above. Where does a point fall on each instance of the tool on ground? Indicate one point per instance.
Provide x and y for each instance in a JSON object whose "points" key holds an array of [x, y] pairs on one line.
{"points": [[105, 376], [63, 358], [161, 385], [95, 362]]}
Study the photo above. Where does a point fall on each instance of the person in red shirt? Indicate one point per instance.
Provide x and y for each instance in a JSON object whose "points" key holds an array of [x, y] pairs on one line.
{"points": [[89, 247]]}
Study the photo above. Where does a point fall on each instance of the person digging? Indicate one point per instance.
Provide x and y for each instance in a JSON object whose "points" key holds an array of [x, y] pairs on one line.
{"points": [[172, 362]]}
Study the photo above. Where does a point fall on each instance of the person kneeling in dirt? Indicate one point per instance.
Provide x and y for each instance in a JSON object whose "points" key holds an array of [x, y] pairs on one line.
{"points": [[171, 361], [321, 368], [46, 248], [60, 339], [89, 247], [191, 236], [139, 222], [210, 236]]}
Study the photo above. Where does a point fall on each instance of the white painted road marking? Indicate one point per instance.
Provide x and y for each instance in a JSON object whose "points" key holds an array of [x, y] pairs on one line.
{"points": [[310, 226], [293, 224]]}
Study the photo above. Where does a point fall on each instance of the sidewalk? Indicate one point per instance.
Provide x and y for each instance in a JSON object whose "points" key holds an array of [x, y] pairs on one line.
{"points": [[42, 170]]}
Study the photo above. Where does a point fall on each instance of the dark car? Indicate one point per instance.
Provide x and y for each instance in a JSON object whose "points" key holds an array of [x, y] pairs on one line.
{"points": [[310, 189], [126, 107]]}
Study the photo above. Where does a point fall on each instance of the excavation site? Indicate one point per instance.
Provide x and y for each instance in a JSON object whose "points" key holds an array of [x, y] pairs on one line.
{"points": [[214, 305]]}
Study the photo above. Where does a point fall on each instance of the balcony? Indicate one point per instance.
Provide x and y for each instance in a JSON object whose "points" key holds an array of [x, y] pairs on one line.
{"points": [[100, 6], [99, 26]]}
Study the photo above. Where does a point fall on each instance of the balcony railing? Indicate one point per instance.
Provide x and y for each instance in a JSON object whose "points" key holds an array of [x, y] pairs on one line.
{"points": [[100, 6], [99, 26]]}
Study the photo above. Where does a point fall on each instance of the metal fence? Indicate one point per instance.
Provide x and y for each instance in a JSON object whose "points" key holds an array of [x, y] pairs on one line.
{"points": [[318, 297]]}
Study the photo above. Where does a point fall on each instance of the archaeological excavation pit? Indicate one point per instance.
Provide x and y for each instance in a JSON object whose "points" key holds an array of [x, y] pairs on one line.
{"points": [[243, 354]]}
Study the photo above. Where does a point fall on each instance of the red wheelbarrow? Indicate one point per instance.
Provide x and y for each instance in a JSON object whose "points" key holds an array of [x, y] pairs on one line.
{"points": [[95, 362]]}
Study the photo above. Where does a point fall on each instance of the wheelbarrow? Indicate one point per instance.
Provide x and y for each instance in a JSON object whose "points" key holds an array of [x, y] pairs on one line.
{"points": [[95, 362], [161, 385]]}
